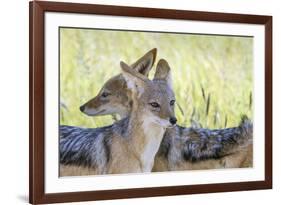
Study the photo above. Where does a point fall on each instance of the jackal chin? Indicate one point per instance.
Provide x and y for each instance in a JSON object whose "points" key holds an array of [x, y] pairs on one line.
{"points": [[94, 112]]}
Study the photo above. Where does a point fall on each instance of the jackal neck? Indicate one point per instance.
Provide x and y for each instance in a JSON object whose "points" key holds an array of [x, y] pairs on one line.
{"points": [[145, 137]]}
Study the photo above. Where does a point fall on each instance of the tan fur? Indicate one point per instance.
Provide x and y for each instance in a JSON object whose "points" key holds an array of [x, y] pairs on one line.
{"points": [[72, 170], [120, 150], [126, 154], [131, 155]]}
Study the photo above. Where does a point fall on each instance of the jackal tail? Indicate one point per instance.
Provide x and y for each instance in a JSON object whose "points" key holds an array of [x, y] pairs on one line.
{"points": [[205, 143]]}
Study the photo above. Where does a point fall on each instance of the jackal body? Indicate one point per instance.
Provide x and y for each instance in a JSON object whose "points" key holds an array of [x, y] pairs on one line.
{"points": [[182, 148], [106, 150], [192, 148], [130, 144]]}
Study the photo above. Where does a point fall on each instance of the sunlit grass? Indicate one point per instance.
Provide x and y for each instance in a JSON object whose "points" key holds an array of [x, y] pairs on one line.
{"points": [[212, 75]]}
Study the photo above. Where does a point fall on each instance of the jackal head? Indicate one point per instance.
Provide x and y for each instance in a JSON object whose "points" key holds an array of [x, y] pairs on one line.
{"points": [[114, 97], [153, 100]]}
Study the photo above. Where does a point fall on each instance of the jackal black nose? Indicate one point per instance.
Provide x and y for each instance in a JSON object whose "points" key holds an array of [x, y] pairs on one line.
{"points": [[82, 108], [173, 120]]}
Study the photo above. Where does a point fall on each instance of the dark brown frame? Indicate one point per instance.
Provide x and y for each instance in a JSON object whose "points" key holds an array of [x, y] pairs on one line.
{"points": [[37, 95]]}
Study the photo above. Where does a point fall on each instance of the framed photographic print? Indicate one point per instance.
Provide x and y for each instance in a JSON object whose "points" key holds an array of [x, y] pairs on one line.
{"points": [[139, 102]]}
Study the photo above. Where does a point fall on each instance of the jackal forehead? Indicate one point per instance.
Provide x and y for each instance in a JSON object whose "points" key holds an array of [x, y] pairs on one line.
{"points": [[115, 83], [162, 90]]}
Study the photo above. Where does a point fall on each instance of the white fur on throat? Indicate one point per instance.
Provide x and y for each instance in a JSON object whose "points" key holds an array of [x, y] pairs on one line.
{"points": [[154, 135]]}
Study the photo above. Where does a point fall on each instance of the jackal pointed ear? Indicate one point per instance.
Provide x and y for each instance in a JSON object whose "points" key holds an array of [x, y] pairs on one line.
{"points": [[163, 72], [135, 81], [145, 63]]}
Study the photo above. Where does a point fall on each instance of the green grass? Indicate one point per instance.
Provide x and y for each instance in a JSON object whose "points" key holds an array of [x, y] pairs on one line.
{"points": [[212, 75]]}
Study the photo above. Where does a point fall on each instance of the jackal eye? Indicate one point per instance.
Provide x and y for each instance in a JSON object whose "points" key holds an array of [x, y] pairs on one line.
{"points": [[154, 104], [105, 94], [172, 102]]}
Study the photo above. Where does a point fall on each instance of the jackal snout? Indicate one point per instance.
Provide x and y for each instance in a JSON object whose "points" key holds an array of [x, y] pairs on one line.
{"points": [[93, 107], [82, 108], [173, 120], [163, 108]]}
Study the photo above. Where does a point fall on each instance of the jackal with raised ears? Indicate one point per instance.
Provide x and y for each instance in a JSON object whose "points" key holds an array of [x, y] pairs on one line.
{"points": [[182, 148], [128, 145]]}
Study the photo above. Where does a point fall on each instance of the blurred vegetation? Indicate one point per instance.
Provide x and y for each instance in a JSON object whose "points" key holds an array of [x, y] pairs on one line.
{"points": [[212, 75]]}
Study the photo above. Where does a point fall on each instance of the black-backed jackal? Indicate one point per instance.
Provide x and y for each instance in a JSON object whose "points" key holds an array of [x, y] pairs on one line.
{"points": [[130, 144]]}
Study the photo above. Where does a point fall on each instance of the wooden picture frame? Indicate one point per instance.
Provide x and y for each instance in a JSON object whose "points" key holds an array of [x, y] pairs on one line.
{"points": [[37, 10]]}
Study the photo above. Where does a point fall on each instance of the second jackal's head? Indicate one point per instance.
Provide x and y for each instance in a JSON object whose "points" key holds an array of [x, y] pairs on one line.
{"points": [[153, 100]]}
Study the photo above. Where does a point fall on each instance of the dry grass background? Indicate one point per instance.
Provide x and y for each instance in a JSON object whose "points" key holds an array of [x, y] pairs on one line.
{"points": [[212, 75]]}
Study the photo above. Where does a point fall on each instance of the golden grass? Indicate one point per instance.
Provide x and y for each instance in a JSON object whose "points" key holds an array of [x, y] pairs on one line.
{"points": [[212, 75]]}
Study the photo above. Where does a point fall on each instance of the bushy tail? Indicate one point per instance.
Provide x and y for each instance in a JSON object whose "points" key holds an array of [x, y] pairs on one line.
{"points": [[240, 138], [206, 144]]}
